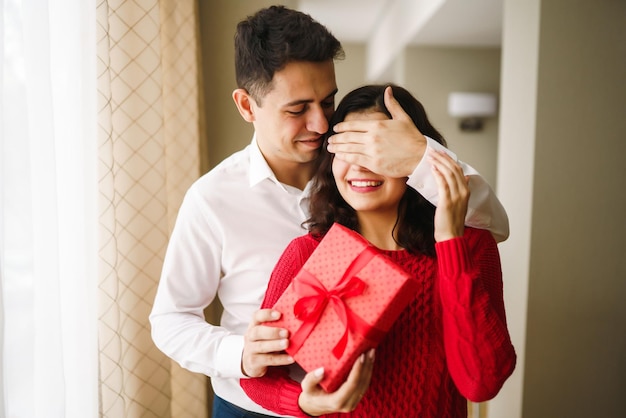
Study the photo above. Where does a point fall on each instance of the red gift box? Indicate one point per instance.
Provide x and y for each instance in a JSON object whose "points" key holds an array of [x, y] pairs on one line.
{"points": [[341, 303]]}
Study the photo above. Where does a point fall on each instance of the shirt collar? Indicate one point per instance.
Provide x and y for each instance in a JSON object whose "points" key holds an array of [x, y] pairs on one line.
{"points": [[259, 169]]}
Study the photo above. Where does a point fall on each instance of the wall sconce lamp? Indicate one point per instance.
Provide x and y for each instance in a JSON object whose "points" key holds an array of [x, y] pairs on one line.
{"points": [[472, 108]]}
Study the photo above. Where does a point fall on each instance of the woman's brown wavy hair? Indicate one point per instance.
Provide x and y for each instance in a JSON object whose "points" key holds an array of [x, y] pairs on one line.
{"points": [[415, 223]]}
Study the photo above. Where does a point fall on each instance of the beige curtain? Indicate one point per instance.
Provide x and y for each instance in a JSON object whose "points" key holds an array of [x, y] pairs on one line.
{"points": [[148, 142]]}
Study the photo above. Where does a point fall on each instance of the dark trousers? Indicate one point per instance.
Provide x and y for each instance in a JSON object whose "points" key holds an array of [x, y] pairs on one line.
{"points": [[225, 409]]}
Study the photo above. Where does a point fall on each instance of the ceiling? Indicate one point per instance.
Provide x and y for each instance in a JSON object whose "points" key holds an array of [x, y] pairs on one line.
{"points": [[454, 23]]}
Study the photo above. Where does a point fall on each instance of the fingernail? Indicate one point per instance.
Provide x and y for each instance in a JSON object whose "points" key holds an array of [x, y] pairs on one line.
{"points": [[275, 314], [372, 353], [318, 372], [284, 343], [283, 333], [362, 358]]}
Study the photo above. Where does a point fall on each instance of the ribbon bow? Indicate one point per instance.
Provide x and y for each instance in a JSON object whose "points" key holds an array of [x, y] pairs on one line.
{"points": [[315, 298]]}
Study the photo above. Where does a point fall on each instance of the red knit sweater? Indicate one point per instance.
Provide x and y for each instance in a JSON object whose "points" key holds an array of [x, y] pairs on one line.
{"points": [[449, 345]]}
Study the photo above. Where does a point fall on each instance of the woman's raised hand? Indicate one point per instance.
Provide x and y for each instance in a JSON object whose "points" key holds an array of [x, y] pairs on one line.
{"points": [[454, 195]]}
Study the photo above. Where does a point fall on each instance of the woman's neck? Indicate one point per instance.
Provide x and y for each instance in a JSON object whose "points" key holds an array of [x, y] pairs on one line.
{"points": [[379, 230]]}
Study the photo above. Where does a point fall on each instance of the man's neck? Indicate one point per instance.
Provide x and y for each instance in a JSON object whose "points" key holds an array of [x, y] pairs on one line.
{"points": [[294, 174]]}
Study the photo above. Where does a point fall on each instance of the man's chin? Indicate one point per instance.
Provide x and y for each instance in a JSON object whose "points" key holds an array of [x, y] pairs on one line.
{"points": [[310, 155]]}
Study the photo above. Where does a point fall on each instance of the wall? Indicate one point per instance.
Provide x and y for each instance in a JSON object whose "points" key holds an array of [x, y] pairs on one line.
{"points": [[567, 203], [576, 350], [516, 152], [432, 73], [350, 72]]}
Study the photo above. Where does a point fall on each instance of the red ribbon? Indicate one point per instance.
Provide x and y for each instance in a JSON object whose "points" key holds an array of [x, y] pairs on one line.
{"points": [[314, 299]]}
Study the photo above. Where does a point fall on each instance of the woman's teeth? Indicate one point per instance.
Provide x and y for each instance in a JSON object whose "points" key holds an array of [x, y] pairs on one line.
{"points": [[365, 183]]}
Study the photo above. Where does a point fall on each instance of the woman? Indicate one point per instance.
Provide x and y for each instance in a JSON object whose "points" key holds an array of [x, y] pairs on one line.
{"points": [[451, 343]]}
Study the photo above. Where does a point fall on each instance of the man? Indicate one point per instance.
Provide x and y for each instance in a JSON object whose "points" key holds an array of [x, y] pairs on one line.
{"points": [[237, 219]]}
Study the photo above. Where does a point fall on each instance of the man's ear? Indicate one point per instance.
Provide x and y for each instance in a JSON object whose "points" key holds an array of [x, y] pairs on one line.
{"points": [[243, 101]]}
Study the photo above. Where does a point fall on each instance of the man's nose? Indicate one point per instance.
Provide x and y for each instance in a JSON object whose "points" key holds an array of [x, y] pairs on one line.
{"points": [[317, 121]]}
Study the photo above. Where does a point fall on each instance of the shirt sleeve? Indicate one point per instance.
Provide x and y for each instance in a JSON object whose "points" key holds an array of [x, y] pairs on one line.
{"points": [[484, 209], [189, 281], [478, 346]]}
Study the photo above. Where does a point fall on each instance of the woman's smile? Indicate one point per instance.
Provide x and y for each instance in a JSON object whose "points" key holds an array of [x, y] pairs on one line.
{"points": [[363, 186]]}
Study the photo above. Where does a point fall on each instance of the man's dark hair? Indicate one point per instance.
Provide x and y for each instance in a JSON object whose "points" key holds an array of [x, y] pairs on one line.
{"points": [[271, 38], [415, 225]]}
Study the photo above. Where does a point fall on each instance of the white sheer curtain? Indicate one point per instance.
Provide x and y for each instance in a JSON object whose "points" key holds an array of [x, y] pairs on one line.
{"points": [[99, 134], [48, 198]]}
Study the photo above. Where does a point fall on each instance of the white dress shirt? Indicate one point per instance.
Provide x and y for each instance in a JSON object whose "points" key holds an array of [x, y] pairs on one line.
{"points": [[231, 229]]}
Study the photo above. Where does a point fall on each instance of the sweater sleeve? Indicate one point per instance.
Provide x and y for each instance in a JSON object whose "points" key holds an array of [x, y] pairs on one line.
{"points": [[276, 391], [478, 346]]}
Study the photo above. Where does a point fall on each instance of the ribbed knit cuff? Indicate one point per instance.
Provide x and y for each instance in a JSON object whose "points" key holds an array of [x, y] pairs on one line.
{"points": [[288, 400], [453, 257]]}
